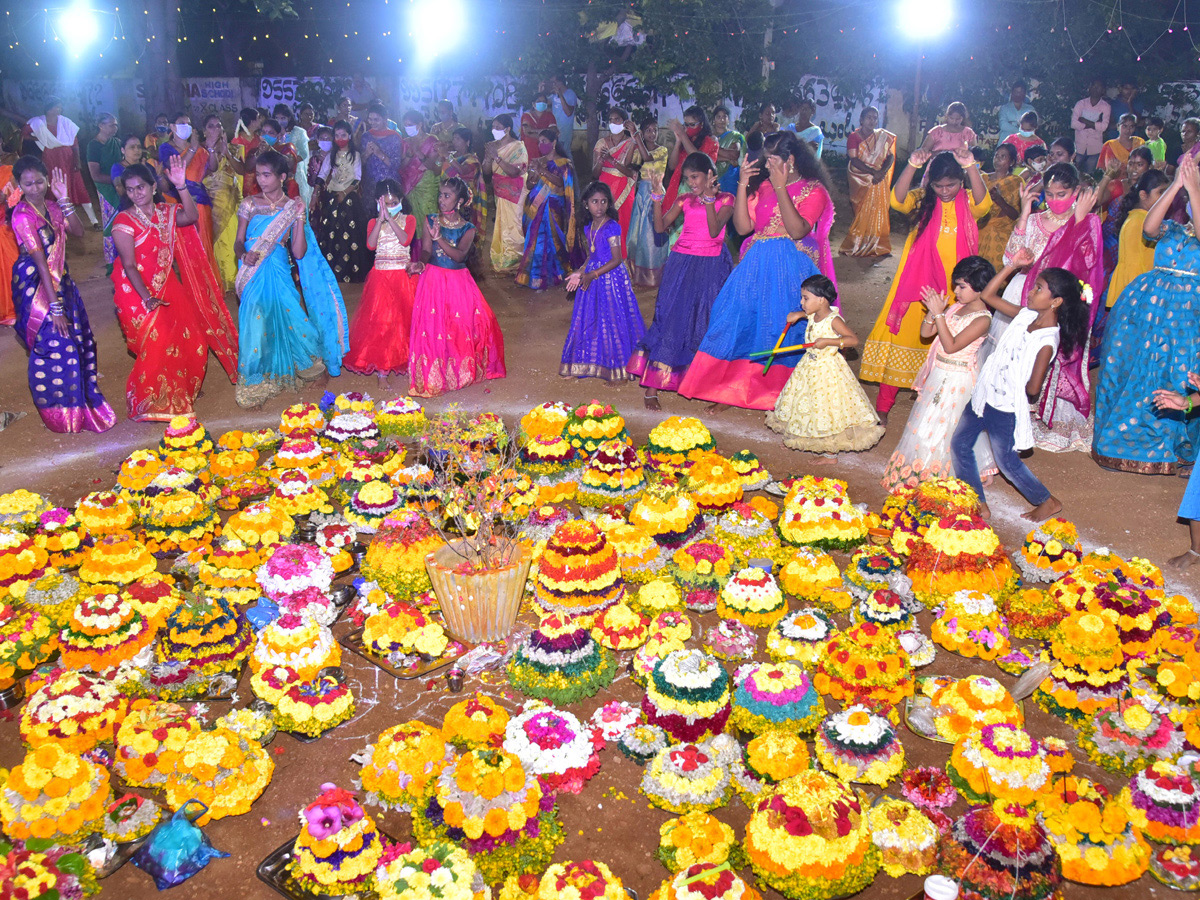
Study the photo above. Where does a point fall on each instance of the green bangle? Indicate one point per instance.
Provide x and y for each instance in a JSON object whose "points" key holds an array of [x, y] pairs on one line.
{"points": [[1188, 409]]}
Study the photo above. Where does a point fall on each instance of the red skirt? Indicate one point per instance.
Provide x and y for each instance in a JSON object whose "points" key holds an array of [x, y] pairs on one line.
{"points": [[64, 158], [381, 324]]}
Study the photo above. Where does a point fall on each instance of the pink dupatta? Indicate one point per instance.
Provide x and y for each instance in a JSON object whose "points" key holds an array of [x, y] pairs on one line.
{"points": [[924, 266], [1076, 247], [413, 170]]}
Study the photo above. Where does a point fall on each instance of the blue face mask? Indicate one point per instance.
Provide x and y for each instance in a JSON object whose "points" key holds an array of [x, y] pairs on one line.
{"points": [[269, 139], [395, 210], [161, 129], [540, 106], [1025, 134]]}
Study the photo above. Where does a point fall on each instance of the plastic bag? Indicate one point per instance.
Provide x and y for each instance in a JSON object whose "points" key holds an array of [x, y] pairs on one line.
{"points": [[176, 850]]}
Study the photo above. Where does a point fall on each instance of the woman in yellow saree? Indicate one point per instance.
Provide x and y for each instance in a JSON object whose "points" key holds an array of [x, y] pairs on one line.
{"points": [[506, 160], [1005, 190], [222, 180], [872, 153]]}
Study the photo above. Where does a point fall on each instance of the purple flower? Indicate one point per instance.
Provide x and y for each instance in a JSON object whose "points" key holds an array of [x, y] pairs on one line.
{"points": [[323, 821]]}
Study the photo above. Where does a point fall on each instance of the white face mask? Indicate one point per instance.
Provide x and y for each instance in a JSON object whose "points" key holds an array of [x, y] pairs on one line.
{"points": [[325, 146], [498, 133], [615, 128], [183, 131], [411, 130]]}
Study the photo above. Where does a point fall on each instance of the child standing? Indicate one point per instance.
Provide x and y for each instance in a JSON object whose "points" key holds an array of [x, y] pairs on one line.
{"points": [[822, 409], [455, 338], [944, 231], [1154, 141], [606, 323], [380, 328], [694, 274], [1054, 320], [945, 382]]}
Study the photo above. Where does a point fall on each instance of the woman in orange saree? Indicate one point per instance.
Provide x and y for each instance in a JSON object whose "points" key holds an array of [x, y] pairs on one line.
{"points": [[170, 320], [612, 157], [10, 195], [872, 153]]}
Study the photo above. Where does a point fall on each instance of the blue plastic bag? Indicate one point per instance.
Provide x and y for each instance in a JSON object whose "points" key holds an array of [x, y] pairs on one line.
{"points": [[176, 849]]}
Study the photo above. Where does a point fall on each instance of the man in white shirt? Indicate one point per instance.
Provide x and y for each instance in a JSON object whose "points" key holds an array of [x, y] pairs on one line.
{"points": [[1010, 113], [1090, 118]]}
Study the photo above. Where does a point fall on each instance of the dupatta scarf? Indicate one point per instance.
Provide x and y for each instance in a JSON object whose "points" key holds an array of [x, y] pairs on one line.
{"points": [[1076, 247], [412, 170], [24, 225], [612, 176], [924, 266], [506, 187]]}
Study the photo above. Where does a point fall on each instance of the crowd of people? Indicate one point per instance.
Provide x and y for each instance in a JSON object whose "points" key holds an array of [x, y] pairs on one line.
{"points": [[1014, 285]]}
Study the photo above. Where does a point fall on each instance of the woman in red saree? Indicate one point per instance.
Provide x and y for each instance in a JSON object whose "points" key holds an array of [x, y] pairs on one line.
{"points": [[170, 320], [613, 157]]}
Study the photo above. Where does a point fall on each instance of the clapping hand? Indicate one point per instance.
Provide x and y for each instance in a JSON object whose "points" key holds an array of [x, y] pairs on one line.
{"points": [[1189, 173], [58, 184], [934, 301], [919, 157], [435, 232], [176, 174], [1023, 258]]}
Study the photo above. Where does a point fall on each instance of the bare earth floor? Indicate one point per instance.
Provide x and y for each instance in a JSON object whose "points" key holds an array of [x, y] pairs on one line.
{"points": [[609, 821]]}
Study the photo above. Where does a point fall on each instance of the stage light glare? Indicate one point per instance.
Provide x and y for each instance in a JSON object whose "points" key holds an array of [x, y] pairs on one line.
{"points": [[924, 19], [78, 27], [438, 24]]}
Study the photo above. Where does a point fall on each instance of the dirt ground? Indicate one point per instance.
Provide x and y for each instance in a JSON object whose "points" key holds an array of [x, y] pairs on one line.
{"points": [[1133, 515]]}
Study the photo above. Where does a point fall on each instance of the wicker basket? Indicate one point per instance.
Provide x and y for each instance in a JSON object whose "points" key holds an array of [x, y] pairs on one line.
{"points": [[480, 606]]}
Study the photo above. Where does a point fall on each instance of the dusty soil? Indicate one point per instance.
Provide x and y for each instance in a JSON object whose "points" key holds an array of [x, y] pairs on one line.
{"points": [[1134, 515]]}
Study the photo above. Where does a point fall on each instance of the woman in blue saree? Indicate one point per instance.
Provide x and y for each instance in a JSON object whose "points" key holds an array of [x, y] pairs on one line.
{"points": [[279, 347], [52, 323], [551, 249]]}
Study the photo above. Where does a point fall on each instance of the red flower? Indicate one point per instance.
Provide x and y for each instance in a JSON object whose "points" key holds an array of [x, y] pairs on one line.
{"points": [[430, 865]]}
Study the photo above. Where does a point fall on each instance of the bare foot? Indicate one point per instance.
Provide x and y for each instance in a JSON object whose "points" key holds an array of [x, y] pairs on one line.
{"points": [[650, 401], [716, 407], [821, 459], [984, 512], [883, 417], [1043, 511], [382, 379], [1184, 561]]}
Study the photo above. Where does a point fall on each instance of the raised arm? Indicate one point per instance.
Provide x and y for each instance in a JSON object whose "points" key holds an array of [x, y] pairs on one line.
{"points": [[991, 294]]}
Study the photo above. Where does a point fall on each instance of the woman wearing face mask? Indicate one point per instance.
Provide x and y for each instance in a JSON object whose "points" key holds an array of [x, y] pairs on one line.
{"points": [[103, 152], [379, 330], [52, 323], [283, 345], [692, 136], [275, 138], [170, 321], [185, 143], [419, 168], [293, 141], [944, 230], [342, 223], [614, 157], [460, 162], [1153, 333], [321, 151], [534, 121], [382, 150], [222, 180], [1037, 161], [648, 248], [1065, 235], [161, 132], [506, 160], [1004, 188], [551, 249], [1027, 137]]}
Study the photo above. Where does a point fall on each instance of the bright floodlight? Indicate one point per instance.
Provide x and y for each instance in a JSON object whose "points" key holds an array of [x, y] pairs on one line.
{"points": [[78, 27], [437, 25], [924, 18]]}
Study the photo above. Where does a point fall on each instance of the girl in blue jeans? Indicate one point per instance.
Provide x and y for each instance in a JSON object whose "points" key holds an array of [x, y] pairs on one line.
{"points": [[1055, 319]]}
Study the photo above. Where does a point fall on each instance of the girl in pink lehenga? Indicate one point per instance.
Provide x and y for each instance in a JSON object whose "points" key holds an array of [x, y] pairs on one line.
{"points": [[455, 339]]}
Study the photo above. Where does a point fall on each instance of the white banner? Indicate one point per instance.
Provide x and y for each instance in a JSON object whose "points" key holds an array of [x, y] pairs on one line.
{"points": [[81, 99], [209, 95]]}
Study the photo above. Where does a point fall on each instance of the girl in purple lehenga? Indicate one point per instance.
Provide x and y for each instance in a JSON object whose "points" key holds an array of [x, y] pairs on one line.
{"points": [[606, 323], [52, 323]]}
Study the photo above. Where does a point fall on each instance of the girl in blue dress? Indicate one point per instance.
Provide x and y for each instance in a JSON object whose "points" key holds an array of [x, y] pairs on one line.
{"points": [[281, 348]]}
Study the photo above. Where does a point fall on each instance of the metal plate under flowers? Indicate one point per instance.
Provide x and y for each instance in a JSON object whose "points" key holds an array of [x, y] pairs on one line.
{"points": [[354, 643]]}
